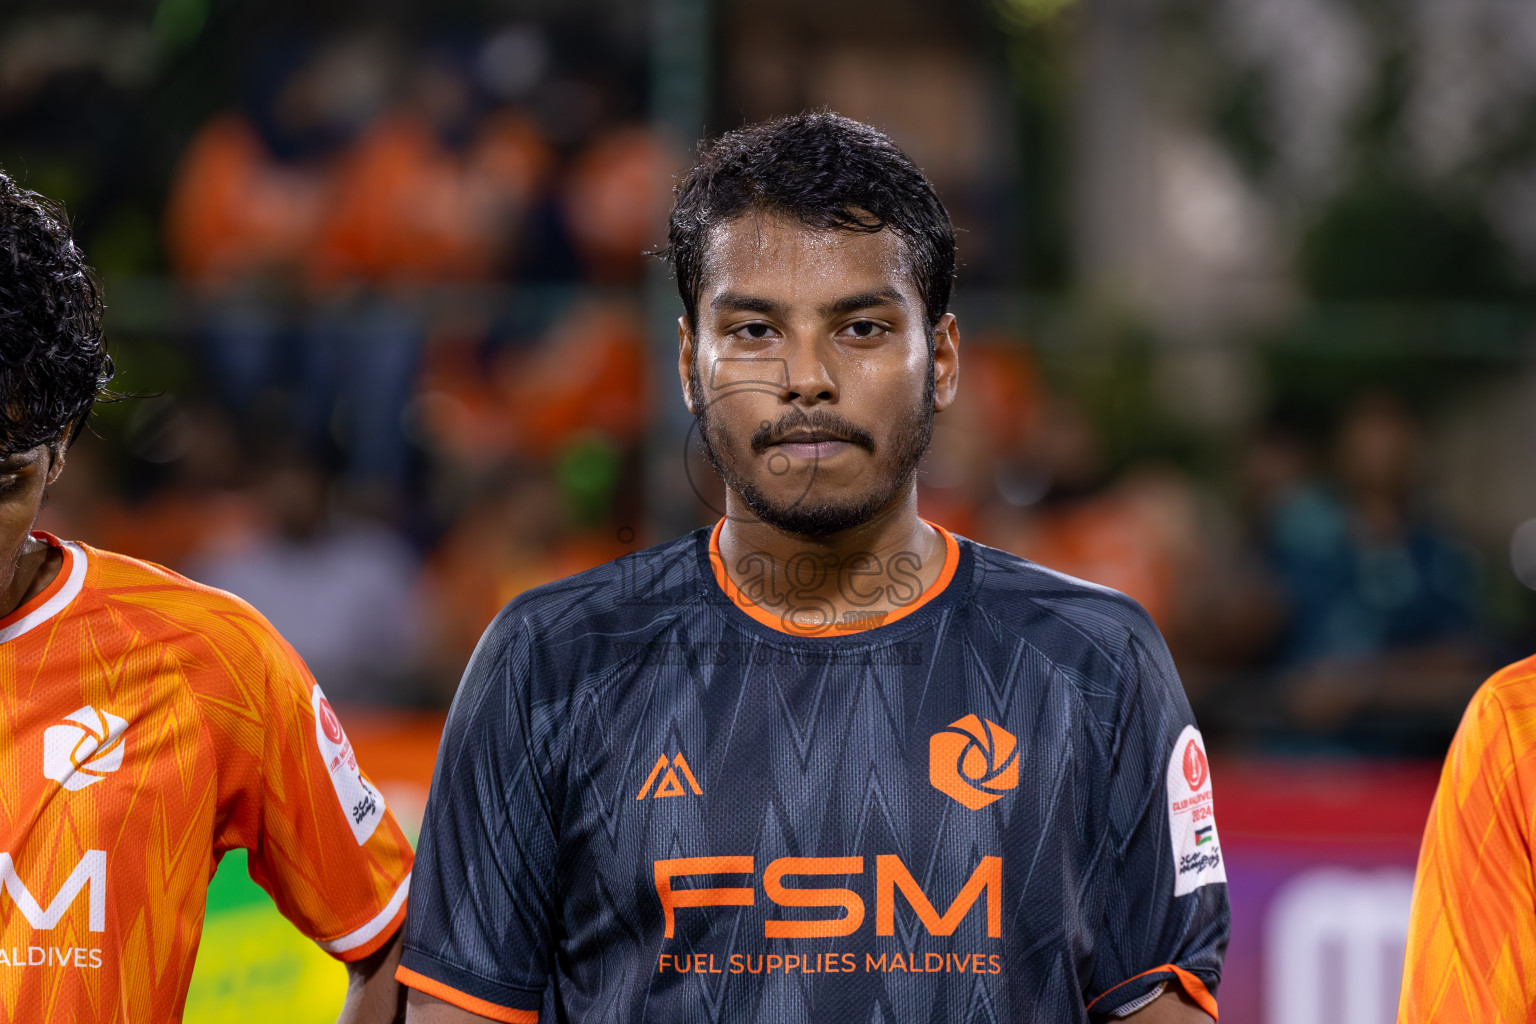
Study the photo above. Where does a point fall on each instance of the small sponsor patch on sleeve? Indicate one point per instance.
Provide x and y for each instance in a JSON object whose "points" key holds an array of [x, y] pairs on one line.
{"points": [[1192, 816], [361, 803]]}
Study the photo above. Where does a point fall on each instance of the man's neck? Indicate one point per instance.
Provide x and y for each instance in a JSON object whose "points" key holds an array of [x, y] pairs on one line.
{"points": [[37, 567], [854, 576]]}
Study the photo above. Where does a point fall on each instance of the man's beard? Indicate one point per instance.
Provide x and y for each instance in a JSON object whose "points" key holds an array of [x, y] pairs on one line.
{"points": [[805, 516]]}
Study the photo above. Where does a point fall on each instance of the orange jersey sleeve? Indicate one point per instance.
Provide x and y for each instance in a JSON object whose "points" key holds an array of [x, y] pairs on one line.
{"points": [[322, 843], [1471, 952]]}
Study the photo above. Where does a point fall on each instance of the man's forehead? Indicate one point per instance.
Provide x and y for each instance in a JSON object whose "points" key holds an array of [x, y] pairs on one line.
{"points": [[763, 248]]}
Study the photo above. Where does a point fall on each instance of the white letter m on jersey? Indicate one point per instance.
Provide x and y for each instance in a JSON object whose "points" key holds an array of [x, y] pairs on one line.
{"points": [[92, 870]]}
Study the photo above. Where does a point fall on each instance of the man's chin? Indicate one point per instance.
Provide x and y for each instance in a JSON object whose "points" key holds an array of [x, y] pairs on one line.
{"points": [[814, 519]]}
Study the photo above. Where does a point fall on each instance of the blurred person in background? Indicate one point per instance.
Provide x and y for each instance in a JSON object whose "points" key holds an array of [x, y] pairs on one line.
{"points": [[1146, 532], [341, 589], [315, 228], [153, 724], [196, 499], [1380, 600], [428, 196], [246, 207]]}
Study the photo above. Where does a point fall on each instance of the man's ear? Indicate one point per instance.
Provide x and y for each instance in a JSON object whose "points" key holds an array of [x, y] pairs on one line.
{"points": [[685, 361], [946, 361], [55, 460]]}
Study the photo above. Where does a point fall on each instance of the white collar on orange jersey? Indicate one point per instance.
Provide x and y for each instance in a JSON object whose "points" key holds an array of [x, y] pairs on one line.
{"points": [[65, 588]]}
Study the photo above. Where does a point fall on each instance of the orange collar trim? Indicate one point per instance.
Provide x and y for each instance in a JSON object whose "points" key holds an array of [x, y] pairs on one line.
{"points": [[873, 621], [54, 598]]}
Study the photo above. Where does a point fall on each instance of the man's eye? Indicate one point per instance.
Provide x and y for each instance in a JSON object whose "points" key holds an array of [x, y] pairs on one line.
{"points": [[756, 331], [865, 328]]}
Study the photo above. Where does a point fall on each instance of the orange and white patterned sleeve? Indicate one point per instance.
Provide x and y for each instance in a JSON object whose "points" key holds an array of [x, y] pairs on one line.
{"points": [[1471, 952], [328, 850]]}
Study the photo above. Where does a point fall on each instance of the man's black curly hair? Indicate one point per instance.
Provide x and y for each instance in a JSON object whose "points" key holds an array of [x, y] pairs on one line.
{"points": [[53, 363], [825, 171]]}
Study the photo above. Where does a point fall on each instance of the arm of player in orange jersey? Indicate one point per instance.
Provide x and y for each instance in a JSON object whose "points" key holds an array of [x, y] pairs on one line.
{"points": [[373, 994], [1471, 950]]}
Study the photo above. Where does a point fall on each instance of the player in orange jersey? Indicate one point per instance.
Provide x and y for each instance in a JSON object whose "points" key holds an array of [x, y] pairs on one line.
{"points": [[1471, 953], [148, 724]]}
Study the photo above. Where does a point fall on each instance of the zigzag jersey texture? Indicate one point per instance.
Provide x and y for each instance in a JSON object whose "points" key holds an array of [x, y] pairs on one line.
{"points": [[1471, 951], [650, 806], [148, 725]]}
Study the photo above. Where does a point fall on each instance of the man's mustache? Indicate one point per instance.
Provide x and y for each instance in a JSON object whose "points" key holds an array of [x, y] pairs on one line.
{"points": [[828, 425]]}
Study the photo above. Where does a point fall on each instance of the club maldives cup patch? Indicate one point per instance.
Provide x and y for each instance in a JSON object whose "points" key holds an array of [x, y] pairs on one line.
{"points": [[362, 804], [1192, 816]]}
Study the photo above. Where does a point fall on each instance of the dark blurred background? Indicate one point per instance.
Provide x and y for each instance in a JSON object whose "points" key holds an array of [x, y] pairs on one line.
{"points": [[1245, 291]]}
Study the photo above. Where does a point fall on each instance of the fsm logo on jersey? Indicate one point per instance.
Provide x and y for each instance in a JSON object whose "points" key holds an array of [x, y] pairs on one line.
{"points": [[974, 760], [84, 749], [89, 876]]}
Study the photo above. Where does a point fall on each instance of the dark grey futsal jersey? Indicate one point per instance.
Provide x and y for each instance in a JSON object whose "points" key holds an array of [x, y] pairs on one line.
{"points": [[651, 806]]}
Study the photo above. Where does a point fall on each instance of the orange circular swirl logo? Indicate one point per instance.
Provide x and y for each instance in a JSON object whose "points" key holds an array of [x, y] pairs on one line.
{"points": [[973, 760]]}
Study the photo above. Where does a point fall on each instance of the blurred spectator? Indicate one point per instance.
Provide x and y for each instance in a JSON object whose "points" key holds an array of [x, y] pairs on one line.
{"points": [[195, 502], [969, 480], [617, 197], [237, 214], [313, 268], [1128, 535], [341, 590], [1380, 599], [1147, 533], [429, 193], [589, 372], [518, 531]]}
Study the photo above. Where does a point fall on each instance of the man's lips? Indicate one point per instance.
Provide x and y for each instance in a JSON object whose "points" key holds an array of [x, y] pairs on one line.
{"points": [[821, 449], [811, 445]]}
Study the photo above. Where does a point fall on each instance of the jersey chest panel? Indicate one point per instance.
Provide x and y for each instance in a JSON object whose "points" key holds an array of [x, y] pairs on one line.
{"points": [[108, 801], [765, 833]]}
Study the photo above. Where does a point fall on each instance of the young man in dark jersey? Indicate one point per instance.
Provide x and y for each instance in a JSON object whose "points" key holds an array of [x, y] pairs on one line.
{"points": [[150, 724], [823, 761]]}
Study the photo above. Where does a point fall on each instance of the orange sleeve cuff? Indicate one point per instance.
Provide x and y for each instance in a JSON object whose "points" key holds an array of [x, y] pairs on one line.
{"points": [[463, 1000]]}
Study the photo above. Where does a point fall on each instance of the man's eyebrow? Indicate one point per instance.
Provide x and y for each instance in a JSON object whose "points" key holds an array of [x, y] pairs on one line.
{"points": [[747, 303], [864, 300]]}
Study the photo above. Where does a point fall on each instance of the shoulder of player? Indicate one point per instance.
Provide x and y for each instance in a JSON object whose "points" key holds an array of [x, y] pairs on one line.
{"points": [[1512, 685], [1506, 703], [163, 604], [1051, 610]]}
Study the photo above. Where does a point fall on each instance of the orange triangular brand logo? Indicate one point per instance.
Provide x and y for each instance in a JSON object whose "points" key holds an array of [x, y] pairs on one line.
{"points": [[671, 784]]}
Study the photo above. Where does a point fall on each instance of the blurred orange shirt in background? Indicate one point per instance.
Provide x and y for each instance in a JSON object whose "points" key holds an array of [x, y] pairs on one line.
{"points": [[150, 725], [234, 210], [1471, 954]]}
